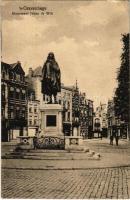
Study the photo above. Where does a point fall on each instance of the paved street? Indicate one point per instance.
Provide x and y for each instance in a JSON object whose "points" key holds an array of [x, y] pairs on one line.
{"points": [[90, 183], [68, 178]]}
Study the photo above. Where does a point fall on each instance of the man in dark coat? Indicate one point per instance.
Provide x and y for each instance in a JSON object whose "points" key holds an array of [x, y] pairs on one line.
{"points": [[51, 82], [35, 142]]}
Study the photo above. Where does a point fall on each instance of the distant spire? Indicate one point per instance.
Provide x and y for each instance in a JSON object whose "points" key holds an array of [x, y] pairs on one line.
{"points": [[76, 84]]}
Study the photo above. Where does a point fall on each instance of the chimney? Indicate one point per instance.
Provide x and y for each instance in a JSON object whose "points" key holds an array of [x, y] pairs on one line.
{"points": [[30, 72], [19, 62]]}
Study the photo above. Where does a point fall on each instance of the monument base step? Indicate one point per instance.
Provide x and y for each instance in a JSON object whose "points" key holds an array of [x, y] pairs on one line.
{"points": [[51, 155]]}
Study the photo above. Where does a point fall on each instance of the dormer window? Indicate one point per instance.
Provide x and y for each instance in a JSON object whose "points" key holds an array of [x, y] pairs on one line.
{"points": [[18, 77], [22, 78], [11, 75]]}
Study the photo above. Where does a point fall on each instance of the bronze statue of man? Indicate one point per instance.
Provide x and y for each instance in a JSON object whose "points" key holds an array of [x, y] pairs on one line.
{"points": [[51, 78]]}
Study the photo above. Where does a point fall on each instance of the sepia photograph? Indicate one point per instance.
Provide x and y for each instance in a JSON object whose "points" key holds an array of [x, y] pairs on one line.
{"points": [[65, 99]]}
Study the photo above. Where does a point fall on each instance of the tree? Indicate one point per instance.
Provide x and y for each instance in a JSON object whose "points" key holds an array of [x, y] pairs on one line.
{"points": [[121, 99]]}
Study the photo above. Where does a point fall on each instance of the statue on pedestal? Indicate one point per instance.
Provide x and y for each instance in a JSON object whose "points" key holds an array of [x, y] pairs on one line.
{"points": [[51, 78]]}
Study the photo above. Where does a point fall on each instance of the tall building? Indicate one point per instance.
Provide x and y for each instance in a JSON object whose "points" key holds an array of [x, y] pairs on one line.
{"points": [[33, 79], [114, 122], [82, 113], [100, 120], [33, 117], [111, 117], [65, 99], [75, 111], [90, 118], [13, 101]]}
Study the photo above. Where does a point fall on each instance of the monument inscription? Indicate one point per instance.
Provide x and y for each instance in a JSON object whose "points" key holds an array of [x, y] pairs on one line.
{"points": [[50, 120]]}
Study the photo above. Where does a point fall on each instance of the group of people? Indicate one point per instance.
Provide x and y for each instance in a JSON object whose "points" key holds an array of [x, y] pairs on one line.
{"points": [[114, 136]]}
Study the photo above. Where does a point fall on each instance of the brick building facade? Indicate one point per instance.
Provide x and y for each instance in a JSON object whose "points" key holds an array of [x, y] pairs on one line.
{"points": [[13, 101]]}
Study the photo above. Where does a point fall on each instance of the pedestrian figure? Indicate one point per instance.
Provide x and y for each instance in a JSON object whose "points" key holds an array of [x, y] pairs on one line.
{"points": [[101, 135], [117, 138], [115, 135], [111, 140], [35, 142]]}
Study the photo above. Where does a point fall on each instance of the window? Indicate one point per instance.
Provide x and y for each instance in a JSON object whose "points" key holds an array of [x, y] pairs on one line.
{"points": [[35, 122], [11, 92], [11, 75], [35, 110], [12, 114], [3, 74], [30, 110], [21, 78], [3, 92], [3, 112], [17, 93], [23, 114], [18, 77], [97, 123], [68, 116], [23, 94], [30, 122], [63, 116], [17, 112], [63, 104]]}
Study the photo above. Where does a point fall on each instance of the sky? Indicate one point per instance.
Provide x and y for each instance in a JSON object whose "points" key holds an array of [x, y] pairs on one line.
{"points": [[85, 37]]}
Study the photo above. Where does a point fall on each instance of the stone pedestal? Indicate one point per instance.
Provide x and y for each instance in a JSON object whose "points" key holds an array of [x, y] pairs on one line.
{"points": [[51, 120], [25, 142], [51, 136], [73, 140], [76, 131]]}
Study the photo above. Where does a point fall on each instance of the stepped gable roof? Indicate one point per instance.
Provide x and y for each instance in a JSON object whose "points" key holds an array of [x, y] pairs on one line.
{"points": [[5, 65], [37, 71], [13, 65], [17, 68]]}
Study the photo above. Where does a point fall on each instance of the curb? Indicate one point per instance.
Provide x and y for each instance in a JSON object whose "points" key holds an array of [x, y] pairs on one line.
{"points": [[72, 168], [66, 159]]}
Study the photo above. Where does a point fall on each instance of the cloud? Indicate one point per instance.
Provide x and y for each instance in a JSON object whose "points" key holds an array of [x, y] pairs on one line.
{"points": [[18, 38], [85, 37], [98, 12]]}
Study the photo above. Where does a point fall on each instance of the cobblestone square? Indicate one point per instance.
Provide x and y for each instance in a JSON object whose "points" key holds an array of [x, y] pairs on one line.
{"points": [[63, 184], [70, 178]]}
